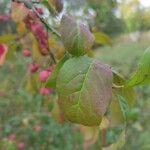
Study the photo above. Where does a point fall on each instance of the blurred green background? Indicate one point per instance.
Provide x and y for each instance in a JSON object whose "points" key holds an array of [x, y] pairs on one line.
{"points": [[127, 23]]}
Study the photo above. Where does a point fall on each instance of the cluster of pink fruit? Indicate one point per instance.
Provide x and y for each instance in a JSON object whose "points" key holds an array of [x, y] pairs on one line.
{"points": [[34, 25], [20, 145], [43, 75]]}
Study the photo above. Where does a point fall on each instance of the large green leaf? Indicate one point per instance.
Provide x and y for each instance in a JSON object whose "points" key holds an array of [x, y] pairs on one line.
{"points": [[128, 93], [52, 80], [85, 88], [142, 75], [76, 37]]}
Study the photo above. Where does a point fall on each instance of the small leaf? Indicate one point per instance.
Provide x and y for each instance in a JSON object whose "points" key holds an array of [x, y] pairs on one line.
{"points": [[76, 37], [7, 38], [105, 123], [102, 38], [142, 75], [11, 55], [84, 87], [124, 107], [54, 6], [49, 5], [128, 93], [119, 144], [90, 135], [52, 80]]}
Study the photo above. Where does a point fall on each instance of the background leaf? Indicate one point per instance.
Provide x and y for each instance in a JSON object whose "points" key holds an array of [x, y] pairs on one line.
{"points": [[7, 38], [142, 75], [85, 88], [102, 38], [76, 37], [119, 144], [128, 93]]}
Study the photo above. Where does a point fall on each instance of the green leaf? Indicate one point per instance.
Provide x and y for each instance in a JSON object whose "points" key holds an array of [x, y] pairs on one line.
{"points": [[102, 38], [55, 6], [7, 38], [119, 144], [115, 113], [76, 37], [124, 107], [142, 75], [52, 80], [11, 55], [84, 87]]}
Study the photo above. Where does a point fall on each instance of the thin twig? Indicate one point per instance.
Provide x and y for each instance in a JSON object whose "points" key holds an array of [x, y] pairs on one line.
{"points": [[46, 24]]}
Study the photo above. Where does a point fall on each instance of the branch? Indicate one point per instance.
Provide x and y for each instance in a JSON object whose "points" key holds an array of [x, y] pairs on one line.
{"points": [[46, 24], [29, 5]]}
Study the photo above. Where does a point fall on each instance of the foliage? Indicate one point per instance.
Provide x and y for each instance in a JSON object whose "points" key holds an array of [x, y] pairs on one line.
{"points": [[68, 84]]}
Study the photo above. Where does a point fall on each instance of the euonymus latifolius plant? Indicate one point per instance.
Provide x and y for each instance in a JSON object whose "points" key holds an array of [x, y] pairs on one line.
{"points": [[87, 88]]}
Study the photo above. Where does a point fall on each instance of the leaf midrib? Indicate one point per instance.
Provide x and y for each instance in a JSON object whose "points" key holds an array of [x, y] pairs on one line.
{"points": [[83, 84]]}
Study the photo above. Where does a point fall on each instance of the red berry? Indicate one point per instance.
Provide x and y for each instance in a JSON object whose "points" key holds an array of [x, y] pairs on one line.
{"points": [[33, 67], [3, 52], [44, 75], [12, 137], [21, 146], [2, 49], [26, 53], [45, 91]]}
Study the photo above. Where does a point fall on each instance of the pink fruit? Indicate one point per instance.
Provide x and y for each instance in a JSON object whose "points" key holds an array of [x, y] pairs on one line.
{"points": [[2, 49], [3, 52], [12, 137], [44, 75], [21, 146], [33, 67], [26, 53], [45, 91]]}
